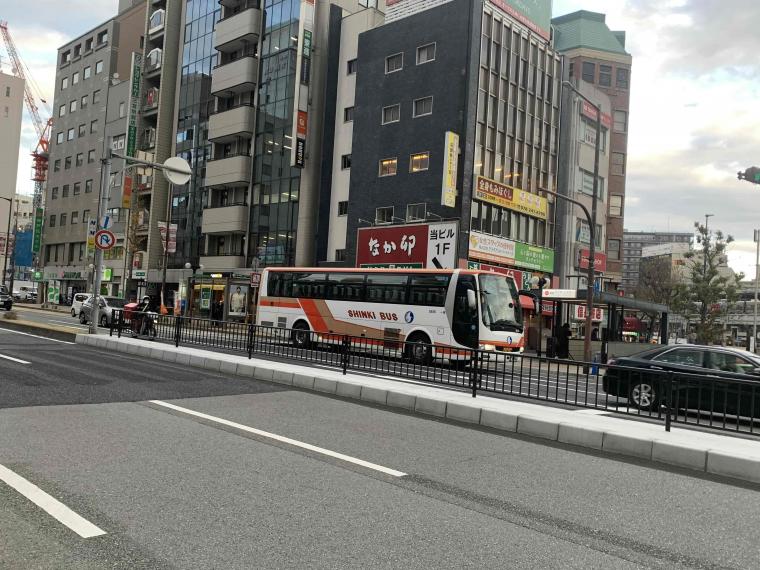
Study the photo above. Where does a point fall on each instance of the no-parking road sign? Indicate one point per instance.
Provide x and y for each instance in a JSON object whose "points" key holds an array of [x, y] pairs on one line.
{"points": [[105, 239]]}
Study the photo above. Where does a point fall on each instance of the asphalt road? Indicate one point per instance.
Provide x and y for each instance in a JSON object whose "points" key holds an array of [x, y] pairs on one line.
{"points": [[51, 318], [172, 489]]}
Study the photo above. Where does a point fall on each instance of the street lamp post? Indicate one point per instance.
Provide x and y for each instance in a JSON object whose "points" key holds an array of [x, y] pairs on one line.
{"points": [[757, 280], [591, 221]]}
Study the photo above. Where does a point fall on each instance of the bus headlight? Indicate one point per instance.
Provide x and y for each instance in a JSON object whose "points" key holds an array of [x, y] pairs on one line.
{"points": [[487, 347]]}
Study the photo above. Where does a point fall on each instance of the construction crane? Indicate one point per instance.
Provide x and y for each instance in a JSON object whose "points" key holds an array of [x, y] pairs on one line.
{"points": [[32, 95]]}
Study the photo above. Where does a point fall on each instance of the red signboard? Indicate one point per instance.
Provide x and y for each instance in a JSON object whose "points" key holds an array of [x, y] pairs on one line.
{"points": [[395, 245], [590, 111], [596, 313], [600, 260], [302, 125]]}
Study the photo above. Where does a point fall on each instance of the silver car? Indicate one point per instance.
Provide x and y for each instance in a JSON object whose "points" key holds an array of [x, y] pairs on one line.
{"points": [[105, 312]]}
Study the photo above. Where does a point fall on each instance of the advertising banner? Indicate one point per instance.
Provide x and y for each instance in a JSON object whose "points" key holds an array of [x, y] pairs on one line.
{"points": [[600, 260], [450, 169], [238, 295], [589, 111], [39, 217], [597, 314], [535, 15], [534, 257], [421, 246], [172, 236], [301, 98], [492, 248], [92, 229], [134, 104], [512, 198]]}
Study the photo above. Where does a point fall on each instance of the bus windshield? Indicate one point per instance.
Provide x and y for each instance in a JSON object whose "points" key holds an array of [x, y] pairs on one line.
{"points": [[499, 301]]}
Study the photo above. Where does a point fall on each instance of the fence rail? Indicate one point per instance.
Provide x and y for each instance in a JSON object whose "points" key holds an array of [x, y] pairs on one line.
{"points": [[655, 394]]}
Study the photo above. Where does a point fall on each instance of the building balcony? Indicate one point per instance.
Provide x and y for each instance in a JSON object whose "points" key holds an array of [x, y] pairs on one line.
{"points": [[236, 76], [222, 262], [229, 171], [225, 220], [238, 30], [226, 125]]}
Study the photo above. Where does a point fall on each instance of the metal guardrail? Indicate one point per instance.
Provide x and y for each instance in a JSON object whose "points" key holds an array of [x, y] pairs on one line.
{"points": [[695, 399]]}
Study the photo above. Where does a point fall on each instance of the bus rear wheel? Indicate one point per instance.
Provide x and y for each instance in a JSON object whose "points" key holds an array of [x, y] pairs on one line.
{"points": [[418, 349], [301, 335]]}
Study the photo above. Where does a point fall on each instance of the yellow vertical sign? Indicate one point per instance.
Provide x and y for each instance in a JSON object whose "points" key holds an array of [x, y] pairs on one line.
{"points": [[450, 169]]}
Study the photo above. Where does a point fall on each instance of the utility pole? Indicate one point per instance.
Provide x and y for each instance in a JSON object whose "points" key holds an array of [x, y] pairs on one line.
{"points": [[757, 280], [105, 198]]}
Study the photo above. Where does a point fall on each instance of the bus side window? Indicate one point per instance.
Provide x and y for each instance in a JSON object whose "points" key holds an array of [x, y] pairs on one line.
{"points": [[345, 286], [274, 285], [429, 290], [309, 285], [387, 288]]}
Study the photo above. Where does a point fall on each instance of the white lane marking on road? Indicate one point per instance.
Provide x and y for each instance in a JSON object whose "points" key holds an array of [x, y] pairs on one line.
{"points": [[50, 505], [14, 359], [36, 336], [282, 439]]}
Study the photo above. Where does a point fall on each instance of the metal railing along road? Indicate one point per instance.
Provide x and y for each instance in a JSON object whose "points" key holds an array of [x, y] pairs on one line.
{"points": [[696, 399]]}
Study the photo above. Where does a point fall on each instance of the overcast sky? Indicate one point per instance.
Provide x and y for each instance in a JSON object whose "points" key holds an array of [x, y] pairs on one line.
{"points": [[694, 119]]}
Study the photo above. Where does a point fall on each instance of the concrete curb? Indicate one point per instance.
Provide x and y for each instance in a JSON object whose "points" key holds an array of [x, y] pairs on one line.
{"points": [[41, 329], [665, 448]]}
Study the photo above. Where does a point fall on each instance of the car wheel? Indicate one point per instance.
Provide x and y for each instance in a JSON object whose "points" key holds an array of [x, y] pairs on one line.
{"points": [[82, 318], [418, 349], [644, 395], [104, 321], [301, 335], [73, 312]]}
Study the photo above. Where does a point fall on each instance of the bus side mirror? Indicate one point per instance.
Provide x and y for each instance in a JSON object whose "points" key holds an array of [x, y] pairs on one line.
{"points": [[472, 300]]}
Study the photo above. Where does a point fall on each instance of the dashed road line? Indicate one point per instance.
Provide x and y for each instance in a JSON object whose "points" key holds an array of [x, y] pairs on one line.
{"points": [[17, 360]]}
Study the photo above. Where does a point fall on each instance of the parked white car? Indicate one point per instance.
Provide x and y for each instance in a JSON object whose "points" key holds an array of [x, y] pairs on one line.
{"points": [[76, 304]]}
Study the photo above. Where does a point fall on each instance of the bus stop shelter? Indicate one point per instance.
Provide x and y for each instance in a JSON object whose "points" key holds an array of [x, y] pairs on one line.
{"points": [[614, 306]]}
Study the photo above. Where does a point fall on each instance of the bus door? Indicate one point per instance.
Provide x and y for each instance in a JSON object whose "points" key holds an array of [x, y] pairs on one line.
{"points": [[465, 320]]}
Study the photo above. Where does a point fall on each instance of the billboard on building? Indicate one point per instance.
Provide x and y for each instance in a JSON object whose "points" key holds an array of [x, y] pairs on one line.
{"points": [[497, 249], [536, 15], [512, 198], [422, 246], [450, 169]]}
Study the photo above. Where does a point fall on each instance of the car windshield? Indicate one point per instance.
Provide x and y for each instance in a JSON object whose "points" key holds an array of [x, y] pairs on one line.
{"points": [[115, 302], [497, 297]]}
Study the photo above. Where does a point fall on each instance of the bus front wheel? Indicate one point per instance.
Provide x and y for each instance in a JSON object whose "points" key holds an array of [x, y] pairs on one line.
{"points": [[419, 349], [301, 335]]}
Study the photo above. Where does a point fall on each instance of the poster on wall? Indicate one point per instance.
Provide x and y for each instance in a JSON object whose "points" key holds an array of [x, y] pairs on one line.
{"points": [[238, 296]]}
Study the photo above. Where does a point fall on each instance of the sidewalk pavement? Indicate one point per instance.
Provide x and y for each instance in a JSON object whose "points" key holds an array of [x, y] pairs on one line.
{"points": [[707, 452]]}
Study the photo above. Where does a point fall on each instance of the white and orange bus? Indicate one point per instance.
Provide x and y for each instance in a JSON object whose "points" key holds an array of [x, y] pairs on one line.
{"points": [[435, 312]]}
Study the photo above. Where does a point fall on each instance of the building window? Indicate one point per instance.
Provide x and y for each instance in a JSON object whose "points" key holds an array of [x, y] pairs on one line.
{"points": [[80, 159], [70, 135], [65, 192], [618, 163], [345, 162], [616, 205], [74, 81], [425, 53], [620, 124], [102, 37], [391, 114], [348, 114], [87, 72], [394, 63], [94, 126], [64, 217], [74, 217], [85, 216], [613, 249], [343, 208], [83, 103], [87, 188], [572, 68], [52, 221], [423, 107], [98, 67], [419, 162], [384, 215], [77, 188], [88, 45], [622, 78], [605, 75], [82, 130], [91, 157], [589, 71], [388, 167], [67, 163], [59, 137], [73, 106], [351, 66], [415, 212], [62, 110], [64, 83], [66, 57], [57, 165], [340, 255], [587, 184], [54, 193], [96, 97]]}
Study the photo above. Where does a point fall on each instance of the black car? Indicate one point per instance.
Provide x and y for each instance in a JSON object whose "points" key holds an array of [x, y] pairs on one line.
{"points": [[6, 301], [710, 378]]}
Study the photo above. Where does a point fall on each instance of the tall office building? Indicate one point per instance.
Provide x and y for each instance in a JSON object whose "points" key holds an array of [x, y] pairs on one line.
{"points": [[634, 244], [11, 107], [90, 104], [596, 55], [455, 134]]}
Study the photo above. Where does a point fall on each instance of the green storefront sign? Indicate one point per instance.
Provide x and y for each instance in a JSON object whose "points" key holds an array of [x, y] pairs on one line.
{"points": [[39, 216], [306, 52], [534, 257]]}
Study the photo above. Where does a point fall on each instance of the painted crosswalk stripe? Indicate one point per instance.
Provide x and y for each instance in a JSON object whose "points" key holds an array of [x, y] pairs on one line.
{"points": [[14, 359], [50, 505], [282, 439]]}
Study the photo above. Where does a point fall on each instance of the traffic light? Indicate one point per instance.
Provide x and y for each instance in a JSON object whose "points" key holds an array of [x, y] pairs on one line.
{"points": [[752, 174]]}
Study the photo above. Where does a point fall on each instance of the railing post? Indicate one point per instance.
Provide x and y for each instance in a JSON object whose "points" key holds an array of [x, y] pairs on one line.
{"points": [[121, 323], [474, 369], [345, 354], [668, 400], [110, 326], [177, 330], [251, 332]]}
